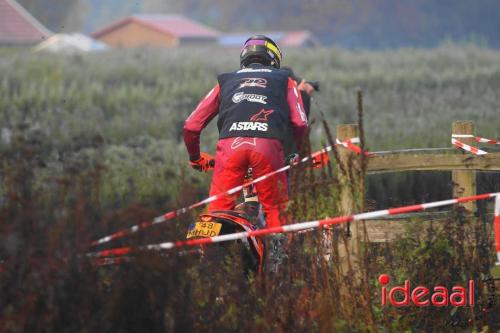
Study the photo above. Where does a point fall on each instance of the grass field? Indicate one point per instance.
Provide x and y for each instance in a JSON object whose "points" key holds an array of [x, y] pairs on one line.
{"points": [[134, 102]]}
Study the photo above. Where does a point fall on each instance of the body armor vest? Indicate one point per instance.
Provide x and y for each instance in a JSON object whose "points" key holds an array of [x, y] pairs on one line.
{"points": [[253, 103]]}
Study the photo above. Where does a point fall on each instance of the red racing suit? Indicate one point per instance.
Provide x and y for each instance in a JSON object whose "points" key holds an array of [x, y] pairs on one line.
{"points": [[255, 106]]}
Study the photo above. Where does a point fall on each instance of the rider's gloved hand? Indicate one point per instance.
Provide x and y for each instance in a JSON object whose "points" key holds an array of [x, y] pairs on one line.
{"points": [[292, 159], [202, 162], [307, 87]]}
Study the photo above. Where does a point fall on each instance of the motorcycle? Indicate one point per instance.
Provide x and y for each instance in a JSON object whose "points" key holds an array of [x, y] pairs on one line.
{"points": [[246, 216]]}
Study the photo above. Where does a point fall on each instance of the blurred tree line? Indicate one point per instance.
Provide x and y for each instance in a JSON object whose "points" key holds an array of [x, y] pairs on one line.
{"points": [[348, 23]]}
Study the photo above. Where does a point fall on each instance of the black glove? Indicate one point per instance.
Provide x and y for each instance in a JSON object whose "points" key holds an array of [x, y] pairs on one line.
{"points": [[292, 159]]}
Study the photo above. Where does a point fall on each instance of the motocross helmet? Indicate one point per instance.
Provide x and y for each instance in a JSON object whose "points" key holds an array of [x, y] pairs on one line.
{"points": [[260, 49]]}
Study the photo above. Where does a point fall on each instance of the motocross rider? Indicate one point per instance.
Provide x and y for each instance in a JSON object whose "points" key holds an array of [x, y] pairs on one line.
{"points": [[255, 105]]}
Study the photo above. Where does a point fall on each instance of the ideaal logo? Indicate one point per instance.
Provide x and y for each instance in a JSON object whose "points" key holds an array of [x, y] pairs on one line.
{"points": [[422, 296]]}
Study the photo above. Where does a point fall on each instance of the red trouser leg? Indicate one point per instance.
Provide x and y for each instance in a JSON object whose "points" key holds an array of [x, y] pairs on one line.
{"points": [[233, 158], [272, 192], [230, 171]]}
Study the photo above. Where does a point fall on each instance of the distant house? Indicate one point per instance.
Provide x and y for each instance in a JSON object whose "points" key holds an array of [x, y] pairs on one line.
{"points": [[299, 38], [156, 31], [70, 43], [18, 27]]}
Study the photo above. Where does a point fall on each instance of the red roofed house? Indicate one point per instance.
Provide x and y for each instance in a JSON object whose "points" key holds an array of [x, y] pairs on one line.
{"points": [[156, 31], [18, 27]]}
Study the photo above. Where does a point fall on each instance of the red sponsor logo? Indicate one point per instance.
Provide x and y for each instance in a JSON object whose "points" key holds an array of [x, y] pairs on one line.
{"points": [[439, 296], [262, 115]]}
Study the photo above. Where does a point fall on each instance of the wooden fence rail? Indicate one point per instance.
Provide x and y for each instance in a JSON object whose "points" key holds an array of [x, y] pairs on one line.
{"points": [[430, 162]]}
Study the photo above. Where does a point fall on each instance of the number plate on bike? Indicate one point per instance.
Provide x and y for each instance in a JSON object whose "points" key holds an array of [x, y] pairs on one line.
{"points": [[204, 229]]}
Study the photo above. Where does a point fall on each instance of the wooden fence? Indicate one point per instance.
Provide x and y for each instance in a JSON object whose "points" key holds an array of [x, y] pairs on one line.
{"points": [[354, 167], [463, 165]]}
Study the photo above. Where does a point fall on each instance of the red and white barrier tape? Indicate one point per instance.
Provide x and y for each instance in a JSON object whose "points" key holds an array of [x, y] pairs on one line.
{"points": [[350, 144], [172, 214], [477, 138], [496, 226], [299, 226], [488, 141], [473, 150]]}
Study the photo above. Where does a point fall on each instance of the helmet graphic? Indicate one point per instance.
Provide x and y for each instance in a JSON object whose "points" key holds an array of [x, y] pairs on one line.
{"points": [[260, 49]]}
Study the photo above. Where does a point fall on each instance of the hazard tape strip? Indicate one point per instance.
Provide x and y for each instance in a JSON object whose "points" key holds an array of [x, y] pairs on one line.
{"points": [[476, 138], [473, 150], [497, 227], [300, 226], [350, 144], [488, 141], [172, 214]]}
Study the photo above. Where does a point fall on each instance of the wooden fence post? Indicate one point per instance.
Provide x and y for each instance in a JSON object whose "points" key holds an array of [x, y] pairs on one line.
{"points": [[464, 181], [350, 194]]}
